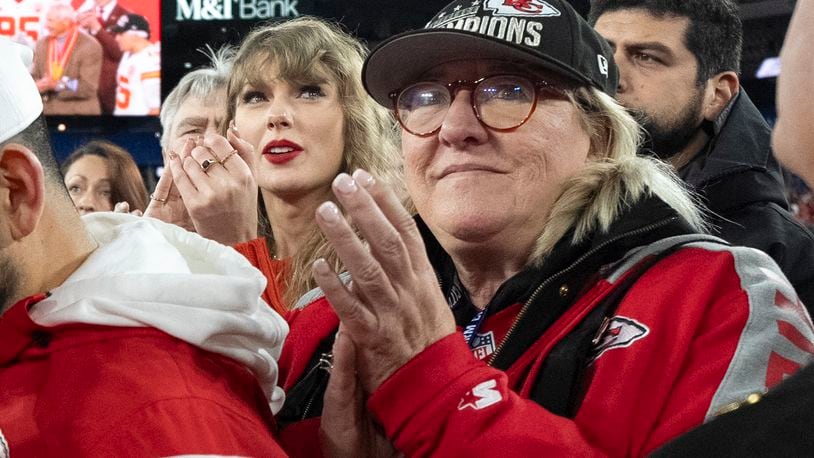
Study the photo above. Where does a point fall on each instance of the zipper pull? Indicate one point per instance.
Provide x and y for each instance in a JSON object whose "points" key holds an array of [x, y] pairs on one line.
{"points": [[602, 328], [326, 362]]}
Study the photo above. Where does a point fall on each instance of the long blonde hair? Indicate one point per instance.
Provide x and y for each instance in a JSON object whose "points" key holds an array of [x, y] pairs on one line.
{"points": [[303, 49], [614, 177]]}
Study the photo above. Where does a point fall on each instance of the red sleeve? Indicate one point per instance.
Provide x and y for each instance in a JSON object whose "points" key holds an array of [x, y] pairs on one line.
{"points": [[256, 251], [696, 342], [109, 46], [444, 402], [190, 426]]}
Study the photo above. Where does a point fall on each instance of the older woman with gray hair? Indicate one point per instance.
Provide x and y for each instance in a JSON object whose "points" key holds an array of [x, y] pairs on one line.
{"points": [[554, 296]]}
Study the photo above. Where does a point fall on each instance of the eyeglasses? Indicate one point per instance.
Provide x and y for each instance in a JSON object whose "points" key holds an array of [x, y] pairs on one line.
{"points": [[501, 102]]}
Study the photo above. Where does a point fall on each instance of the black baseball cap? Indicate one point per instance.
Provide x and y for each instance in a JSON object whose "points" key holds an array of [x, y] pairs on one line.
{"points": [[547, 34], [131, 23]]}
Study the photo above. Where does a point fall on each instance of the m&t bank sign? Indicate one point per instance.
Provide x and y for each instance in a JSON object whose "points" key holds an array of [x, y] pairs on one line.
{"points": [[214, 10]]}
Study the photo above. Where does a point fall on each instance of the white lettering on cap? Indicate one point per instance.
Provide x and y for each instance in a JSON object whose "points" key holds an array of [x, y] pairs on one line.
{"points": [[603, 64]]}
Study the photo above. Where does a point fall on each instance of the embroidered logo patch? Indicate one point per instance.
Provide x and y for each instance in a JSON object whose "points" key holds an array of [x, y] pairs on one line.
{"points": [[621, 333], [484, 345], [482, 396], [537, 8]]}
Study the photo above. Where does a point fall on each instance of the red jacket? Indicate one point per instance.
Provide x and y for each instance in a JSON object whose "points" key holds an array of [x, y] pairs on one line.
{"points": [[111, 56], [702, 328], [85, 390]]}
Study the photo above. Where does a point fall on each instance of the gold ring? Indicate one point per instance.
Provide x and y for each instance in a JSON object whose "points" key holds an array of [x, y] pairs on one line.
{"points": [[153, 197], [228, 156], [207, 163]]}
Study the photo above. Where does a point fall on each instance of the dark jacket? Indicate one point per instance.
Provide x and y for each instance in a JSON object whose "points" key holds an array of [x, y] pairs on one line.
{"points": [[743, 186], [778, 424]]}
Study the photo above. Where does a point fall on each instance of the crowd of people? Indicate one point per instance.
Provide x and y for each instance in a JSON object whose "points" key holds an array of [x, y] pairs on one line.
{"points": [[546, 236], [97, 61]]}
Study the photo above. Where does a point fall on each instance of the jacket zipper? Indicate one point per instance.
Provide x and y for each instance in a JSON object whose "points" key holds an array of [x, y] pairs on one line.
{"points": [[325, 363], [549, 280]]}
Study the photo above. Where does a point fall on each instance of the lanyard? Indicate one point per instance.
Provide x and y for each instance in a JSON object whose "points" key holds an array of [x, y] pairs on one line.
{"points": [[58, 59], [471, 330]]}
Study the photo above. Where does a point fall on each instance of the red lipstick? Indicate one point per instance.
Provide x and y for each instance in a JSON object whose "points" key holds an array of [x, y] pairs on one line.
{"points": [[281, 151]]}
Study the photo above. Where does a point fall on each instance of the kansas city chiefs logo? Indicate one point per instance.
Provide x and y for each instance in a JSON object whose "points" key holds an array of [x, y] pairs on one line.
{"points": [[482, 396], [536, 8], [621, 333]]}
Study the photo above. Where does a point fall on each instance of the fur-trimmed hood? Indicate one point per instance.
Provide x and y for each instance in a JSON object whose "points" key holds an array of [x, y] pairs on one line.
{"points": [[594, 200]]}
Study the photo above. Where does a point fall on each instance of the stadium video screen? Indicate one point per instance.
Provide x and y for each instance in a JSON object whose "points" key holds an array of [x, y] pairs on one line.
{"points": [[91, 57]]}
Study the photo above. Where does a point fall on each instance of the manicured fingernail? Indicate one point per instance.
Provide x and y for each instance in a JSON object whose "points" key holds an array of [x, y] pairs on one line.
{"points": [[363, 178], [233, 126], [120, 207], [321, 267], [345, 184], [329, 212]]}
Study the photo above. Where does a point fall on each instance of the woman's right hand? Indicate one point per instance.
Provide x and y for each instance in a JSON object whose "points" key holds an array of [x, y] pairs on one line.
{"points": [[216, 181]]}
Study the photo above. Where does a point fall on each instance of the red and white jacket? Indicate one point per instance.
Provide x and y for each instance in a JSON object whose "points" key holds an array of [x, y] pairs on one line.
{"points": [[157, 345], [703, 327]]}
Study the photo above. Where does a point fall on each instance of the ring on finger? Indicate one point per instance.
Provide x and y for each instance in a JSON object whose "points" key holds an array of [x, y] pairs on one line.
{"points": [[153, 197], [207, 163], [228, 156]]}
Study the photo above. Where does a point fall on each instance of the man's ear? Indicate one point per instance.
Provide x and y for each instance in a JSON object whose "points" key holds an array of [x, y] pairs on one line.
{"points": [[719, 91], [22, 190]]}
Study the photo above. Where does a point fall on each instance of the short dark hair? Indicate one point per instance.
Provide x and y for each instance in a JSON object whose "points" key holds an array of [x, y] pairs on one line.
{"points": [[714, 35], [36, 138], [127, 184]]}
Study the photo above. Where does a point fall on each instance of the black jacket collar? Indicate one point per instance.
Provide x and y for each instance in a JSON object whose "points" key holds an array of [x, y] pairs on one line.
{"points": [[642, 223], [737, 167]]}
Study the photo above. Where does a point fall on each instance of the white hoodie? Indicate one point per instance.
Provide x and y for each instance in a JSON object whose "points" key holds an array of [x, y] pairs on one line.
{"points": [[147, 273]]}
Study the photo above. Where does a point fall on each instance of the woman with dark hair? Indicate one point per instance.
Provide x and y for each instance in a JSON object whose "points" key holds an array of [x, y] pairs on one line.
{"points": [[99, 175]]}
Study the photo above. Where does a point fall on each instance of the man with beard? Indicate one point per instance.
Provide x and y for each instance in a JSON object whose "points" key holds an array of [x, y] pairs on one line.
{"points": [[678, 63], [778, 423], [119, 335]]}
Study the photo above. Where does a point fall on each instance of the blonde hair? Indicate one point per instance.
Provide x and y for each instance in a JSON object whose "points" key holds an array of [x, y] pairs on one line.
{"points": [[307, 49], [614, 178]]}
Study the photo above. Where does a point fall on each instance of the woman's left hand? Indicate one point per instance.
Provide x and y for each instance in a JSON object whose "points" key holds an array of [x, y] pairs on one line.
{"points": [[217, 184], [395, 308], [346, 429]]}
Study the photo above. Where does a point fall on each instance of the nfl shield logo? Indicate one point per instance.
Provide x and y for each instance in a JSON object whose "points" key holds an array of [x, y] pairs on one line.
{"points": [[484, 345]]}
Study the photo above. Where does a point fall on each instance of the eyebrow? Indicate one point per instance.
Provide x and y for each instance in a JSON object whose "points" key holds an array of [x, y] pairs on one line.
{"points": [[106, 181], [193, 121], [648, 45], [301, 80]]}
